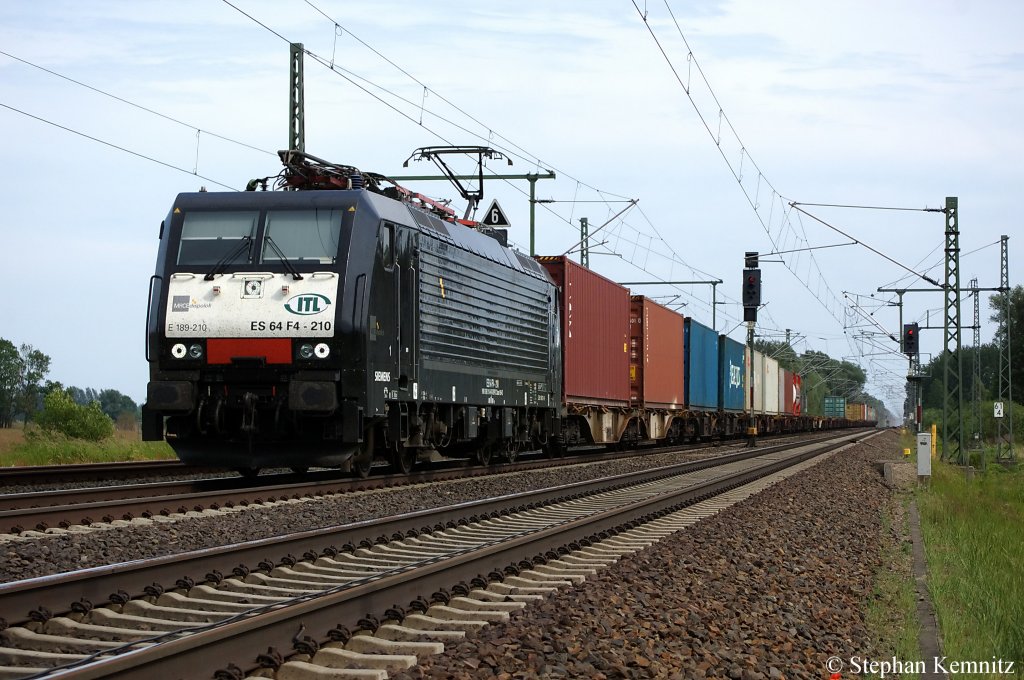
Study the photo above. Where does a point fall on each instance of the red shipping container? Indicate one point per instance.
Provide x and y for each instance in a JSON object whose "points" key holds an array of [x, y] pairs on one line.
{"points": [[798, 394], [595, 334], [655, 355], [788, 403]]}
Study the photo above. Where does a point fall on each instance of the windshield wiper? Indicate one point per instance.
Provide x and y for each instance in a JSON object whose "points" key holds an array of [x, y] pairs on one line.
{"points": [[296, 276], [229, 258]]}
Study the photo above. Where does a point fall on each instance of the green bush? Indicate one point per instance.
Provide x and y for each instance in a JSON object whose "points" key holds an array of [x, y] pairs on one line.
{"points": [[62, 415]]}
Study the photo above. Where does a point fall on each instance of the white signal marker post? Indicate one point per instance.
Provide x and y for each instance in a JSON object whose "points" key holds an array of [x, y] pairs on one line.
{"points": [[924, 456]]}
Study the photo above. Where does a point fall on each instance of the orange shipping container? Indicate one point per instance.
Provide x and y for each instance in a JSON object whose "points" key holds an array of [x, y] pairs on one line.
{"points": [[655, 355], [856, 411]]}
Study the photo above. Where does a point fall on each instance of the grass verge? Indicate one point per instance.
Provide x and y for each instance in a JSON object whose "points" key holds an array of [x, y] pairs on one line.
{"points": [[59, 450], [974, 537], [891, 616]]}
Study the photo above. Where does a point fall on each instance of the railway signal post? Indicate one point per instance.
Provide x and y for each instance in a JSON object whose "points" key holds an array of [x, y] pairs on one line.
{"points": [[751, 297]]}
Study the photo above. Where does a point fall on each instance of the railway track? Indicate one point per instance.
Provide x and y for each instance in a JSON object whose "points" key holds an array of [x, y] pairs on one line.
{"points": [[64, 508], [36, 475], [174, 615]]}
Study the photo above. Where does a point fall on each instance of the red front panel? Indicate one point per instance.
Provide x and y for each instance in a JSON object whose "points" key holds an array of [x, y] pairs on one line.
{"points": [[274, 350], [656, 354], [595, 334], [788, 403]]}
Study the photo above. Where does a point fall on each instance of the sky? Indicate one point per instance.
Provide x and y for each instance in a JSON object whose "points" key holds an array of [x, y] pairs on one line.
{"points": [[713, 116]]}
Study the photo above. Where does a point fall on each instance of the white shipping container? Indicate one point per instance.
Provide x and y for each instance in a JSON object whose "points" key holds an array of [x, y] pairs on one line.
{"points": [[758, 382], [747, 380], [771, 379]]}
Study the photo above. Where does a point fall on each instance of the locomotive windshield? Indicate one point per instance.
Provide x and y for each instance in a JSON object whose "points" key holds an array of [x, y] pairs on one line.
{"points": [[209, 237], [302, 236], [284, 237]]}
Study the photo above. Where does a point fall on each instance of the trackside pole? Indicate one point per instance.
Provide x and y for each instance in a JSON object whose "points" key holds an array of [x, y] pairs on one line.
{"points": [[751, 424], [751, 297]]}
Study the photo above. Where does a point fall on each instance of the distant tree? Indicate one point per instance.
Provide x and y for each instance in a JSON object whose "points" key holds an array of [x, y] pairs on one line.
{"points": [[78, 395], [10, 374], [34, 367], [998, 305], [113, 403], [62, 415]]}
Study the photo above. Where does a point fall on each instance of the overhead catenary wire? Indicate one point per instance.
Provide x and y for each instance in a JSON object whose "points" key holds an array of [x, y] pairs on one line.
{"points": [[522, 154], [867, 207], [784, 220], [638, 244], [378, 92], [872, 249], [519, 151], [119, 148], [136, 105]]}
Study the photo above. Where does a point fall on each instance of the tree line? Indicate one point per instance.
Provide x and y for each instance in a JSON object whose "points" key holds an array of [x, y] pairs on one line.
{"points": [[24, 386]]}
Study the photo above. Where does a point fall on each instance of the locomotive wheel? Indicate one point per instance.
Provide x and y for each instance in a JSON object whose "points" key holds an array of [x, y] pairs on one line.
{"points": [[361, 466], [404, 460], [483, 455], [249, 472], [362, 461], [511, 452]]}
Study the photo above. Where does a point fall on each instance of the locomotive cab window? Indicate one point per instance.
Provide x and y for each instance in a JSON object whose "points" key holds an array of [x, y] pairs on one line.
{"points": [[209, 237], [387, 245], [310, 236]]}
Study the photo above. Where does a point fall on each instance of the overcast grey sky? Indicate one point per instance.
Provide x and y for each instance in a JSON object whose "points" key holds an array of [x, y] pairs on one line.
{"points": [[890, 104]]}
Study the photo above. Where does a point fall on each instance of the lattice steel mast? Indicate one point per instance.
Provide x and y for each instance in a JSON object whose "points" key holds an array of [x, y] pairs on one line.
{"points": [[1004, 425], [977, 439], [952, 405]]}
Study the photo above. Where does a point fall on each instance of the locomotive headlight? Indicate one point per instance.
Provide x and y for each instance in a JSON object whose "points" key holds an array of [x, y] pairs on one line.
{"points": [[178, 351], [322, 350], [195, 351], [306, 351]]}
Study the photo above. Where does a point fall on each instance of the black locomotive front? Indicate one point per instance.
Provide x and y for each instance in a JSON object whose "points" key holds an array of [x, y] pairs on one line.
{"points": [[254, 322], [333, 327]]}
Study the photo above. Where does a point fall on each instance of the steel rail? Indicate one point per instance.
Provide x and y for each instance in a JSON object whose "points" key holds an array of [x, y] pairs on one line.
{"points": [[63, 508], [280, 627], [76, 472], [57, 592]]}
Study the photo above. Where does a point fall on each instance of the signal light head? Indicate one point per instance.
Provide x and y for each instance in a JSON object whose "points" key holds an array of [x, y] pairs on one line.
{"points": [[752, 288]]}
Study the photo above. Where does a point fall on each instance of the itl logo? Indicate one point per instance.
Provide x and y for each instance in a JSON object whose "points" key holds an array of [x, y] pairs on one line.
{"points": [[735, 375], [307, 304]]}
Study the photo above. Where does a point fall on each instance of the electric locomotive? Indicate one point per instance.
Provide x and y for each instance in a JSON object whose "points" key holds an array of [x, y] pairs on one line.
{"points": [[340, 321]]}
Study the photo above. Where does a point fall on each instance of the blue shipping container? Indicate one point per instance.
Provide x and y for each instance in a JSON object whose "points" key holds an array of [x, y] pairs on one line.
{"points": [[732, 374], [700, 345]]}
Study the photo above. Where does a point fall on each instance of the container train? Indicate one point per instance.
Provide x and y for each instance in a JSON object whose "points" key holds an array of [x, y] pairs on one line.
{"points": [[345, 320]]}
